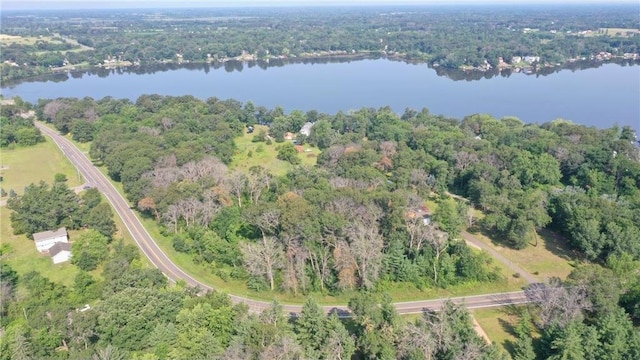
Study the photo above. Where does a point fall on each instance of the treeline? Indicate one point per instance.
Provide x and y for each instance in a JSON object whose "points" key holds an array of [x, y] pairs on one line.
{"points": [[136, 315], [16, 122], [356, 220], [447, 36], [43, 207]]}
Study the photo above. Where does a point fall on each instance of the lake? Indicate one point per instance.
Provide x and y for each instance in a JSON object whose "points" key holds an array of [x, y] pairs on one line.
{"points": [[600, 96]]}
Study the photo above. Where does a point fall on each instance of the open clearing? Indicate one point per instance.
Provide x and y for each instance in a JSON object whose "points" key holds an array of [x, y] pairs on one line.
{"points": [[28, 40], [23, 256], [25, 165], [549, 258], [498, 324], [624, 32], [250, 154]]}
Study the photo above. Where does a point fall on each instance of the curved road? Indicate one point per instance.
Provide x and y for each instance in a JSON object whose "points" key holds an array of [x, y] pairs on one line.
{"points": [[157, 257]]}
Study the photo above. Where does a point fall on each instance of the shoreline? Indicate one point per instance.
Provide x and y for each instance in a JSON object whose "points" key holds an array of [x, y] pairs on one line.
{"points": [[337, 56]]}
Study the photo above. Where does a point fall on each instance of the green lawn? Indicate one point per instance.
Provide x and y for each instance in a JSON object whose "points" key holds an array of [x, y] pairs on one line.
{"points": [[29, 40], [25, 165], [549, 258], [23, 256], [250, 154], [498, 324]]}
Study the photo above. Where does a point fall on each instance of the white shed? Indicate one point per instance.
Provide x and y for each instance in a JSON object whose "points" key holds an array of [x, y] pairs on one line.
{"points": [[60, 252], [46, 239], [306, 128]]}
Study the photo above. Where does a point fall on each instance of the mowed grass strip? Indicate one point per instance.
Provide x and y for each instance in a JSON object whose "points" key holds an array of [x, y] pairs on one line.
{"points": [[22, 166]]}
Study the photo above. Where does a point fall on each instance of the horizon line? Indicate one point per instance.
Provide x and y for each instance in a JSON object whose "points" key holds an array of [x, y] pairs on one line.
{"points": [[171, 4]]}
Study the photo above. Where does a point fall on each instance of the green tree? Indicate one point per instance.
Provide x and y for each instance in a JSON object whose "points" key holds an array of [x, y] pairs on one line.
{"points": [[28, 136], [450, 216], [566, 344], [339, 344], [100, 218], [311, 328], [376, 326], [41, 208], [523, 347], [194, 337], [89, 250], [288, 152], [126, 318], [60, 178], [82, 130], [109, 353]]}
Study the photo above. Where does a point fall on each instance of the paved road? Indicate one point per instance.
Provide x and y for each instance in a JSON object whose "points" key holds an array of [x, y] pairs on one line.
{"points": [[157, 257]]}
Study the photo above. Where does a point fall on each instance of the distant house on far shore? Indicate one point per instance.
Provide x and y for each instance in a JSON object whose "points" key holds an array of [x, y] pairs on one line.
{"points": [[46, 239], [60, 252]]}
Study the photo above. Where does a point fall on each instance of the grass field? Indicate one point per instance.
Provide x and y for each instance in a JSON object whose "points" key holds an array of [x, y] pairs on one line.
{"points": [[549, 258], [498, 324], [29, 40], [25, 165], [624, 32], [259, 153], [22, 166], [23, 256]]}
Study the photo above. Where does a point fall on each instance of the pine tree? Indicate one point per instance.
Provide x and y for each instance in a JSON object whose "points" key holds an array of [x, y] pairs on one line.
{"points": [[311, 328], [523, 347]]}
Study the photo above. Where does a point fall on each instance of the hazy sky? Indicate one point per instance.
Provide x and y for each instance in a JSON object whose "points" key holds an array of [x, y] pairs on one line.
{"points": [[83, 4]]}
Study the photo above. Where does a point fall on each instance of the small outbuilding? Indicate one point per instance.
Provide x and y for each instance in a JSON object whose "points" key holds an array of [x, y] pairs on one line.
{"points": [[306, 128], [60, 252], [46, 239]]}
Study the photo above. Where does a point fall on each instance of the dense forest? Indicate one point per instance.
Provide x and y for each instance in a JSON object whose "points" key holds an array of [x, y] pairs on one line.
{"points": [[445, 36], [354, 221], [139, 316]]}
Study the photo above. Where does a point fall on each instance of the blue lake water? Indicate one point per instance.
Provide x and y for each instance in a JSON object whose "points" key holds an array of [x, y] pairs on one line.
{"points": [[601, 96]]}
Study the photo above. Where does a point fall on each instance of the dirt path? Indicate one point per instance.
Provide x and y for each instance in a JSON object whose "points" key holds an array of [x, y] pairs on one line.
{"points": [[480, 330], [473, 241]]}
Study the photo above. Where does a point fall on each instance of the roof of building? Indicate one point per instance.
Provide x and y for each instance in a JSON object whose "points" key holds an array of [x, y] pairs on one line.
{"points": [[45, 235], [58, 247], [306, 128]]}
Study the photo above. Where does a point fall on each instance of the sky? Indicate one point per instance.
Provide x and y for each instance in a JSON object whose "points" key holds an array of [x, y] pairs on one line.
{"points": [[92, 4]]}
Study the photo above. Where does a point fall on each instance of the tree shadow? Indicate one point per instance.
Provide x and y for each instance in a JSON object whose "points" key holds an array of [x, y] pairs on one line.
{"points": [[513, 310], [509, 346], [494, 236], [507, 327], [556, 244]]}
